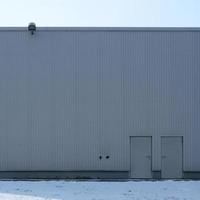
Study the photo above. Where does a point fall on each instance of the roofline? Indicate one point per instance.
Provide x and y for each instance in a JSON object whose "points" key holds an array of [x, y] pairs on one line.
{"points": [[107, 29]]}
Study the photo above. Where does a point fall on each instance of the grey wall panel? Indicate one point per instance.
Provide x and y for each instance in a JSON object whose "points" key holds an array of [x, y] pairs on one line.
{"points": [[67, 97]]}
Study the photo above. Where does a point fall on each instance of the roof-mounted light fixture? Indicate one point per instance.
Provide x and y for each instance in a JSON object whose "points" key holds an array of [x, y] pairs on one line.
{"points": [[32, 28]]}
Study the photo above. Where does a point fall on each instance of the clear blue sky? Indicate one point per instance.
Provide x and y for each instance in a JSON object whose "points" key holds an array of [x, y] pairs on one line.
{"points": [[139, 13]]}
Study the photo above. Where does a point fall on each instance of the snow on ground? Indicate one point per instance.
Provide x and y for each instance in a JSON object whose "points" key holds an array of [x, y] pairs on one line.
{"points": [[91, 190]]}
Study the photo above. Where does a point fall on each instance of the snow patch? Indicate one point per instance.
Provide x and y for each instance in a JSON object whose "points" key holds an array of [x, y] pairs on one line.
{"points": [[89, 190]]}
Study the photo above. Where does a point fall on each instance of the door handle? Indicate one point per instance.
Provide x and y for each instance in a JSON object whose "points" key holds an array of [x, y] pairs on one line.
{"points": [[148, 156]]}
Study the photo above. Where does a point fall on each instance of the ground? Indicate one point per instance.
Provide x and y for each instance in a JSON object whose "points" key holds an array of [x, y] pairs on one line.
{"points": [[91, 190]]}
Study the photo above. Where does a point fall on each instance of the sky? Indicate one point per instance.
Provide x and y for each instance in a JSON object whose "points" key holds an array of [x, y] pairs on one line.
{"points": [[101, 13]]}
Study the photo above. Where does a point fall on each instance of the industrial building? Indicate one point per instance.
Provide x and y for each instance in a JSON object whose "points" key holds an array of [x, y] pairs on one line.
{"points": [[99, 102]]}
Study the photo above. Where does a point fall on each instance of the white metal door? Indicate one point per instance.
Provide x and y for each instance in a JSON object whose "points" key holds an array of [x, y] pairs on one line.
{"points": [[171, 157], [141, 157]]}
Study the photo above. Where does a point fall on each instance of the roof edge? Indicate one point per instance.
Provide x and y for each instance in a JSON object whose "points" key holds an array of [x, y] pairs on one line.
{"points": [[140, 29]]}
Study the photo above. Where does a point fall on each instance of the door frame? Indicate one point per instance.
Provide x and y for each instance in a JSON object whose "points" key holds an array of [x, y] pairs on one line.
{"points": [[133, 136], [182, 143]]}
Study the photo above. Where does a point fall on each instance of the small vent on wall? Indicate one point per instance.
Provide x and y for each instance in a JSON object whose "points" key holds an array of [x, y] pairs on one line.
{"points": [[32, 28]]}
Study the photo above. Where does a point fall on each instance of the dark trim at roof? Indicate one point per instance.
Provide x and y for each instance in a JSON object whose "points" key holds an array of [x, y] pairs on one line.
{"points": [[108, 29]]}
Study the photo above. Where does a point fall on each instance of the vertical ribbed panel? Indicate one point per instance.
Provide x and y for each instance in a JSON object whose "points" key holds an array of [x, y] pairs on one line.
{"points": [[68, 97]]}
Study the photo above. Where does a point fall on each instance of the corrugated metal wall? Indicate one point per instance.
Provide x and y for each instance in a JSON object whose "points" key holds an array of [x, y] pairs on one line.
{"points": [[67, 97]]}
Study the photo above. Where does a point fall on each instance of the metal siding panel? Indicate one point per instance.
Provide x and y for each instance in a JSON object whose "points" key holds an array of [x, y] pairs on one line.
{"points": [[68, 97]]}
